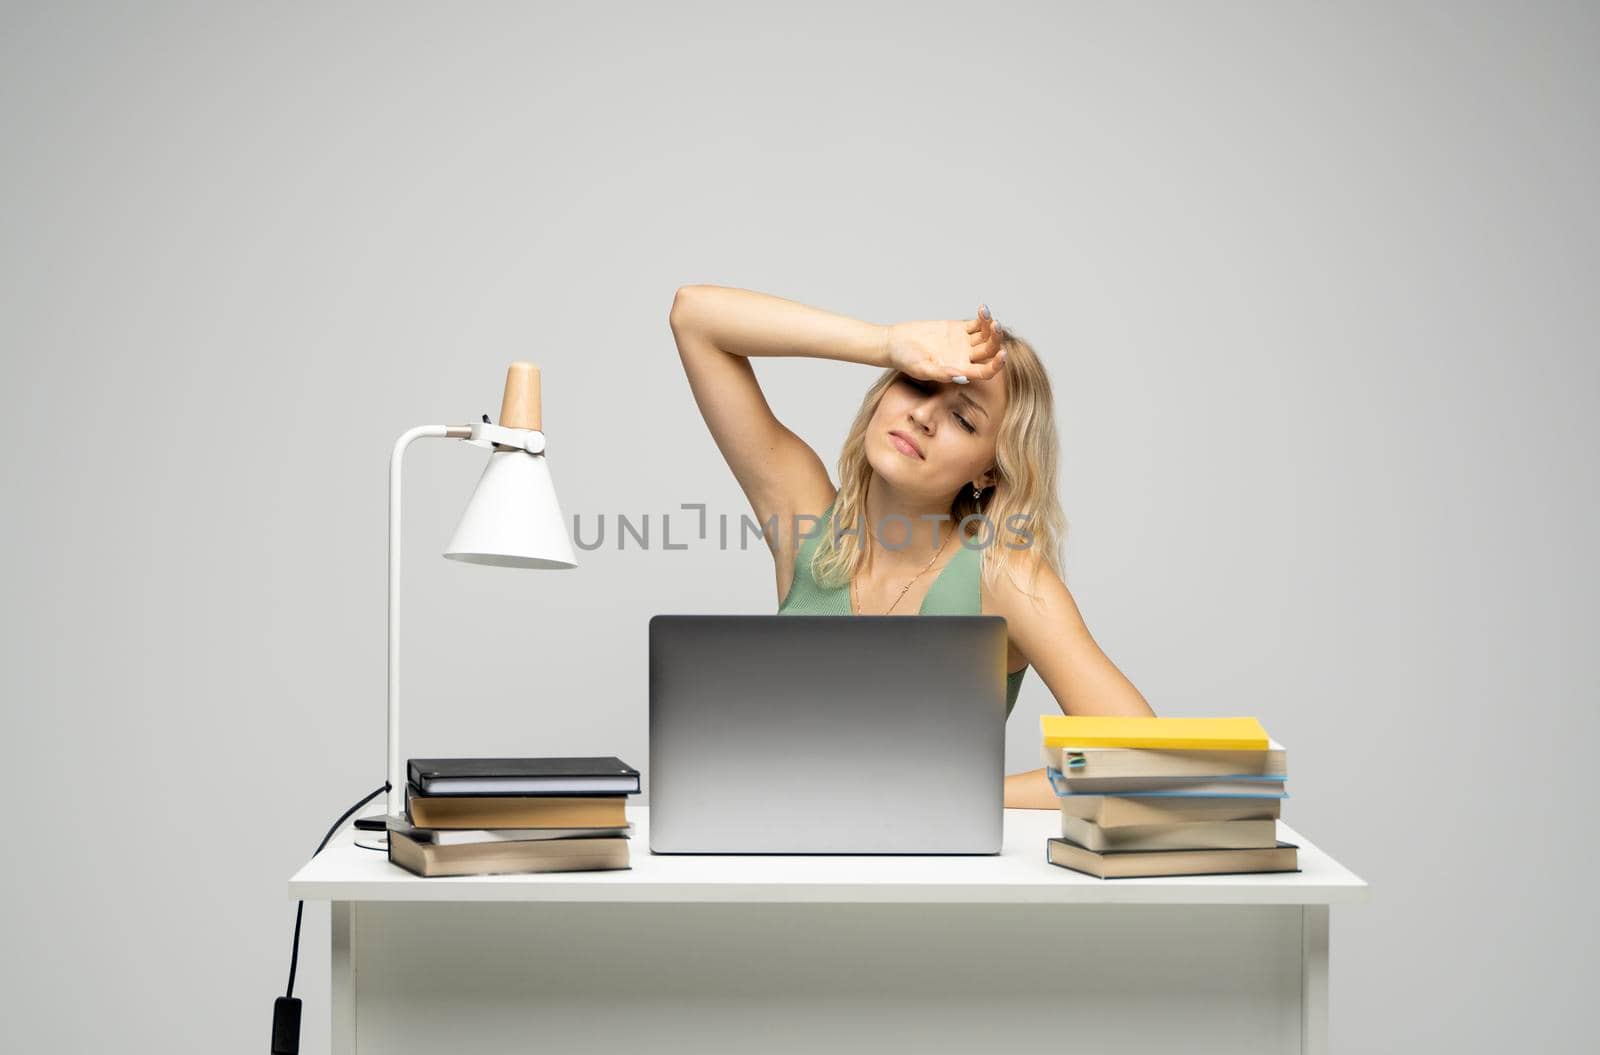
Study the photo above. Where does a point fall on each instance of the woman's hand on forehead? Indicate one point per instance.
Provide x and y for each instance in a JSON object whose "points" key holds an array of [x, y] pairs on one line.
{"points": [[949, 351]]}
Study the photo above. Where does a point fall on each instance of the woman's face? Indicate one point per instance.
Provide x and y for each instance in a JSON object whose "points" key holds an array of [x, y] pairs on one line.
{"points": [[951, 427]]}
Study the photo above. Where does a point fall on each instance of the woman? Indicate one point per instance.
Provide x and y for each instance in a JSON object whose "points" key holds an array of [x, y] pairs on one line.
{"points": [[960, 424]]}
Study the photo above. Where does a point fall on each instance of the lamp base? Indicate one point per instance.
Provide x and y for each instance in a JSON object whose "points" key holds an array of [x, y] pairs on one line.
{"points": [[372, 833]]}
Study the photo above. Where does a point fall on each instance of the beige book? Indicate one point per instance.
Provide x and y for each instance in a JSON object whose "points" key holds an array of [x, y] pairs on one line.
{"points": [[1164, 762], [1111, 811], [517, 811], [1191, 835], [546, 855], [1128, 864]]}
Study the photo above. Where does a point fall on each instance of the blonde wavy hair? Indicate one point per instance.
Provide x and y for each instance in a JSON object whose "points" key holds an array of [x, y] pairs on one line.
{"points": [[1026, 457]]}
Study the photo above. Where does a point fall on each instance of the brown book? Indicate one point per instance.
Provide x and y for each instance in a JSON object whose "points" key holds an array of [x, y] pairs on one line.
{"points": [[517, 811], [1129, 864], [1112, 811], [544, 855], [1189, 835]]}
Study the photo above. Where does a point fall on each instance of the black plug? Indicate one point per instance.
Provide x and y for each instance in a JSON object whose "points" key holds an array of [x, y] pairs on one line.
{"points": [[286, 1026], [286, 1010]]}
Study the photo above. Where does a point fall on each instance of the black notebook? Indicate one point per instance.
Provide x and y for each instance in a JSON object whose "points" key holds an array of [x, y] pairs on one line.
{"points": [[523, 776]]}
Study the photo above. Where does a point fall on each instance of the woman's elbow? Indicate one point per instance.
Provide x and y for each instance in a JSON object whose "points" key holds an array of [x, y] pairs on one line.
{"points": [[685, 305], [678, 316]]}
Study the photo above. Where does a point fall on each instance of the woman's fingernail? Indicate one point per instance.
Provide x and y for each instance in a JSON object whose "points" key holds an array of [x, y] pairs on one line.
{"points": [[959, 379], [984, 308]]}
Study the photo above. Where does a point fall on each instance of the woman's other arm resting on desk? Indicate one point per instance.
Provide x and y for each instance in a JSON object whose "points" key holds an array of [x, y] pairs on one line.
{"points": [[1050, 631]]}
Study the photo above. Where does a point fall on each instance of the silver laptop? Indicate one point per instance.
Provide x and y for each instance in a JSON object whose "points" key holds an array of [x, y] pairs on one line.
{"points": [[824, 734]]}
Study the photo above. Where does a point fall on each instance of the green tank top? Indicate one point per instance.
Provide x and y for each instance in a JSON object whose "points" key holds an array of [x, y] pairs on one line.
{"points": [[956, 590]]}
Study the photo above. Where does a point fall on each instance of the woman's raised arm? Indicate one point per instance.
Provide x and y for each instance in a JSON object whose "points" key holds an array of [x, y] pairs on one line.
{"points": [[717, 330]]}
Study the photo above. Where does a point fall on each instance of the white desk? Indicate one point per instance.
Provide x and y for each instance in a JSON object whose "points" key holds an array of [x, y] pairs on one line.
{"points": [[843, 954]]}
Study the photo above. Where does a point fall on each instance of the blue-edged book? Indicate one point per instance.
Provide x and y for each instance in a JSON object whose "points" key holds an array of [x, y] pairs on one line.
{"points": [[1232, 786]]}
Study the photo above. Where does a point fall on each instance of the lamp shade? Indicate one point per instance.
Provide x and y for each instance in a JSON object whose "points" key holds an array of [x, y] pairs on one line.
{"points": [[513, 519]]}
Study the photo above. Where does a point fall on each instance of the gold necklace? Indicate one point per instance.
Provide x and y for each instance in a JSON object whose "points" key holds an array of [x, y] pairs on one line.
{"points": [[856, 603]]}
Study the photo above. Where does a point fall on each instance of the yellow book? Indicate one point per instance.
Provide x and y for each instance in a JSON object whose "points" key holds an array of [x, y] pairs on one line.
{"points": [[1194, 734]]}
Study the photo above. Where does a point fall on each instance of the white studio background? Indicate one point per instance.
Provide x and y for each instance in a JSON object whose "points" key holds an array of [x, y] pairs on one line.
{"points": [[1315, 285]]}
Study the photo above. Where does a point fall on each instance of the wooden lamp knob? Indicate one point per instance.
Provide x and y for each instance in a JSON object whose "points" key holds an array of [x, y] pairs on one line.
{"points": [[520, 407]]}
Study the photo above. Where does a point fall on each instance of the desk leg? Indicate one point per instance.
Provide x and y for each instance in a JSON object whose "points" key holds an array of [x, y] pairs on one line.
{"points": [[1314, 980], [342, 977]]}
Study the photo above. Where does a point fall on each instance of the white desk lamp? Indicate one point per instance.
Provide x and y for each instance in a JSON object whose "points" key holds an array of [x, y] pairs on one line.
{"points": [[512, 520]]}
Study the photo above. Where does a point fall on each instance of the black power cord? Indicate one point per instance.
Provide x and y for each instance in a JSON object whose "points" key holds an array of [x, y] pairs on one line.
{"points": [[286, 1009]]}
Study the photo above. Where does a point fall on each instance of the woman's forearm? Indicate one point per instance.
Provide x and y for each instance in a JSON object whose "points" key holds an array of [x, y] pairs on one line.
{"points": [[1030, 791], [748, 323]]}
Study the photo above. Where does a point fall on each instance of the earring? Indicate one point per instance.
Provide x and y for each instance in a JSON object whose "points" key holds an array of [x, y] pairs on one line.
{"points": [[976, 494]]}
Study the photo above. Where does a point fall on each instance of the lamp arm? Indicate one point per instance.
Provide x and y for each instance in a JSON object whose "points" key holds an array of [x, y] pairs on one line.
{"points": [[396, 773]]}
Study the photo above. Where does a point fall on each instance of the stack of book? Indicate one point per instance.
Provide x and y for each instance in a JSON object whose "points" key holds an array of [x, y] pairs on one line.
{"points": [[1166, 796], [481, 816]]}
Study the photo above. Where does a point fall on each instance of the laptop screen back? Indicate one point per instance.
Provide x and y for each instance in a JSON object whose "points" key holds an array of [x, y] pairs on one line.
{"points": [[827, 734]]}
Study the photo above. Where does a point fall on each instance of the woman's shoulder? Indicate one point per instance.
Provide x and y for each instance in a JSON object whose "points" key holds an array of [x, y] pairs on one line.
{"points": [[1020, 574], [1023, 587]]}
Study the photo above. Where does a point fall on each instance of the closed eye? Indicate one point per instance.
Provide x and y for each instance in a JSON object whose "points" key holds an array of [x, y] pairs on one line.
{"points": [[922, 385]]}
